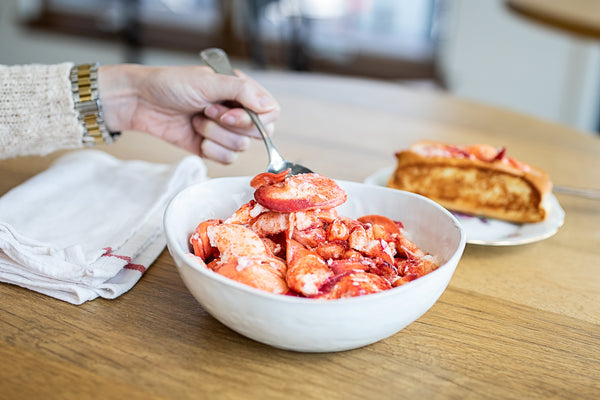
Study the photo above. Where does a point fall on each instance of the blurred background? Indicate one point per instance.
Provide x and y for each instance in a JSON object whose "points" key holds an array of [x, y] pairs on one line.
{"points": [[478, 50]]}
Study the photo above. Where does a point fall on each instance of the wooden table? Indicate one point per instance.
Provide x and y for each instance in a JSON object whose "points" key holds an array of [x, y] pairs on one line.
{"points": [[581, 17], [519, 322]]}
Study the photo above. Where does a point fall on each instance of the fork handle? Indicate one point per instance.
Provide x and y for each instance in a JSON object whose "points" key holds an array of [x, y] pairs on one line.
{"points": [[217, 60], [580, 192]]}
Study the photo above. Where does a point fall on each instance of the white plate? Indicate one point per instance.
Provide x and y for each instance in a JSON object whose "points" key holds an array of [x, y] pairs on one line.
{"points": [[493, 232]]}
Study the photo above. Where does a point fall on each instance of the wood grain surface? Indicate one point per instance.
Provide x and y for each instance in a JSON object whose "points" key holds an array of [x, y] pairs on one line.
{"points": [[517, 322]]}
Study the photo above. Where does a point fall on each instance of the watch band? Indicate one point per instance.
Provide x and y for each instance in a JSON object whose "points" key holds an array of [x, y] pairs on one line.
{"points": [[84, 86]]}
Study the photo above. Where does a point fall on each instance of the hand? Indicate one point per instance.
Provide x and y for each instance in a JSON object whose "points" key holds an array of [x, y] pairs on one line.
{"points": [[191, 106]]}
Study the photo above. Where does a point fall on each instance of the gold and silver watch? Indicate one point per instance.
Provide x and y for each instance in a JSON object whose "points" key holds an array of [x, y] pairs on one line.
{"points": [[84, 86]]}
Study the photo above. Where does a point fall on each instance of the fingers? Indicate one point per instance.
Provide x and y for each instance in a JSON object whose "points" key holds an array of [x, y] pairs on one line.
{"points": [[208, 149], [241, 89], [227, 126], [221, 143], [215, 131], [237, 120], [218, 134], [237, 117], [216, 152]]}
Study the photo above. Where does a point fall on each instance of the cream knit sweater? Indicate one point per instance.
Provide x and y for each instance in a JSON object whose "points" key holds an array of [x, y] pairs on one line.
{"points": [[37, 114]]}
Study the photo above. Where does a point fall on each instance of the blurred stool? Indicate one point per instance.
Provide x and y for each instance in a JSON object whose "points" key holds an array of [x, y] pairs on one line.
{"points": [[580, 17]]}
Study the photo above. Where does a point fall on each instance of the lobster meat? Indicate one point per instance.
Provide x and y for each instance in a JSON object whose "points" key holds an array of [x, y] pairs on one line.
{"points": [[297, 192], [290, 240]]}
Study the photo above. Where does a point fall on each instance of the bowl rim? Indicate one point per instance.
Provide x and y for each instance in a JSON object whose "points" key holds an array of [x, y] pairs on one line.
{"points": [[188, 257]]}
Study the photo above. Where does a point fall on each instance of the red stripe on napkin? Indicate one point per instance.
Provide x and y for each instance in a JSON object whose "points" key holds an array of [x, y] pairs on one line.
{"points": [[129, 265], [137, 267]]}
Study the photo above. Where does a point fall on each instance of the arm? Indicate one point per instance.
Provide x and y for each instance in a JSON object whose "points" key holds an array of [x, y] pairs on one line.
{"points": [[37, 114], [181, 105]]}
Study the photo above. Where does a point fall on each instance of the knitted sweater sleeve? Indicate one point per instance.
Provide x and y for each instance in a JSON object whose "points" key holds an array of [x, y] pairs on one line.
{"points": [[37, 114]]}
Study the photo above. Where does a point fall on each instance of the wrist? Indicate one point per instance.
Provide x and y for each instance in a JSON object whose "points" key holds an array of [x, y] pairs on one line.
{"points": [[117, 88]]}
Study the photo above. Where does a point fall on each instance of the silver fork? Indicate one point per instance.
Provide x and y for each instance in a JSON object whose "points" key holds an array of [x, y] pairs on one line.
{"points": [[217, 59], [579, 192]]}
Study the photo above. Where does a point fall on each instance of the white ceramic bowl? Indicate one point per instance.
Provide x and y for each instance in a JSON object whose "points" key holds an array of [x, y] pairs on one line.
{"points": [[310, 325]]}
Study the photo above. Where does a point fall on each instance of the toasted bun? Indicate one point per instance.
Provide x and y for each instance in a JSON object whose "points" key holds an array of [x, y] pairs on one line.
{"points": [[478, 180]]}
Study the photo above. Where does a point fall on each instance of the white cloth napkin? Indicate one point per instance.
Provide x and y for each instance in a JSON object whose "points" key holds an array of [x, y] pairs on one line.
{"points": [[90, 225]]}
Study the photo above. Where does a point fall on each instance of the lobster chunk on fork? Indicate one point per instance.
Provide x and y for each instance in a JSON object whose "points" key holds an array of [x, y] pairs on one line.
{"points": [[297, 192]]}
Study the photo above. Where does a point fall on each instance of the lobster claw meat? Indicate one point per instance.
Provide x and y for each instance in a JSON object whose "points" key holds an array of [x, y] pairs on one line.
{"points": [[234, 241], [352, 284], [307, 271], [200, 241], [297, 193], [259, 273], [244, 257], [387, 224]]}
